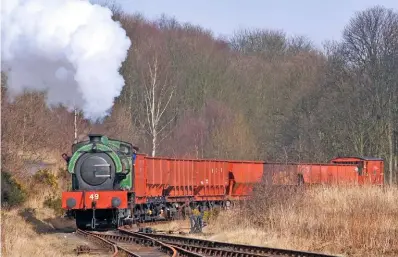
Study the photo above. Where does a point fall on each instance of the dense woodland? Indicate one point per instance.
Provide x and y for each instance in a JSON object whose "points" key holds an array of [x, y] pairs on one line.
{"points": [[257, 95]]}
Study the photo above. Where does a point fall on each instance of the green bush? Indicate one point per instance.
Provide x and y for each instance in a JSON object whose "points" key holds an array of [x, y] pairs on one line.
{"points": [[12, 193], [206, 216], [55, 203], [210, 215], [47, 178]]}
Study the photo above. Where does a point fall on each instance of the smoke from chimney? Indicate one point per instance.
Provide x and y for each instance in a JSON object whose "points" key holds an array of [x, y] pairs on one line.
{"points": [[70, 48]]}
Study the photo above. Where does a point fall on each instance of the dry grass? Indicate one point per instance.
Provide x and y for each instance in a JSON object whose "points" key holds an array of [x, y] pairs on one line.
{"points": [[177, 225], [360, 221], [34, 230], [174, 226], [24, 237]]}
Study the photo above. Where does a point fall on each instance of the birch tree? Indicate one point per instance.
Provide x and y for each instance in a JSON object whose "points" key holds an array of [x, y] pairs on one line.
{"points": [[158, 94]]}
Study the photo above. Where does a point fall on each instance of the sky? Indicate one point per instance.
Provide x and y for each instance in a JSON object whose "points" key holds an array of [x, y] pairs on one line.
{"points": [[319, 20]]}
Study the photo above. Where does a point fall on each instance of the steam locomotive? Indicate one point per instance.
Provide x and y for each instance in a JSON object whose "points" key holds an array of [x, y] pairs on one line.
{"points": [[102, 175], [113, 185]]}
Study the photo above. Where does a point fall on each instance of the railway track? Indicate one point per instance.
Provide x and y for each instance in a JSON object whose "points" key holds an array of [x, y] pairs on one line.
{"points": [[222, 249], [136, 245], [115, 249], [127, 243]]}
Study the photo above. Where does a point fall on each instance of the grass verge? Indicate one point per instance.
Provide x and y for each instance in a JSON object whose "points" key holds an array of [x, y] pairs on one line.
{"points": [[356, 221], [23, 234]]}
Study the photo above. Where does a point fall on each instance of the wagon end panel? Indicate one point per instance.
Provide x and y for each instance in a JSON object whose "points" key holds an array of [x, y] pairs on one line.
{"points": [[381, 173], [140, 179], [245, 175], [374, 172], [281, 174]]}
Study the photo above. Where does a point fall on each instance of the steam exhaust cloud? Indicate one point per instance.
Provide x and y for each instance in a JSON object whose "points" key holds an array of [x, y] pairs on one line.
{"points": [[70, 48]]}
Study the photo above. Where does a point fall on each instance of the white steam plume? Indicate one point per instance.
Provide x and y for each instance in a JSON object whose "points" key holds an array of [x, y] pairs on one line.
{"points": [[71, 48]]}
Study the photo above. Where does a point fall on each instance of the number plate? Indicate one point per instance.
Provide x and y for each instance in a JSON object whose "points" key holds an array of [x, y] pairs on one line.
{"points": [[94, 196]]}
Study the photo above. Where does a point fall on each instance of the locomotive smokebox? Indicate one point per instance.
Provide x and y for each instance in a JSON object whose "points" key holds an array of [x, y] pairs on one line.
{"points": [[95, 137]]}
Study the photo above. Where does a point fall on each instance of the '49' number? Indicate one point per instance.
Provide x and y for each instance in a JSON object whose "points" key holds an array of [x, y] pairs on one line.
{"points": [[94, 196]]}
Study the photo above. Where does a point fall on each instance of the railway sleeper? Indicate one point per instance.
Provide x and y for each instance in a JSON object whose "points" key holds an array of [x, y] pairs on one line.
{"points": [[218, 252], [237, 248], [128, 239]]}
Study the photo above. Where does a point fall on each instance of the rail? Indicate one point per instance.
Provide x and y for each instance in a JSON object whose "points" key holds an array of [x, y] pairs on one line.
{"points": [[111, 246], [176, 249], [216, 248]]}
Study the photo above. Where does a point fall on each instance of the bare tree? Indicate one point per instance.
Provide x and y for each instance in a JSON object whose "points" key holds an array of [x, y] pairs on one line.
{"points": [[158, 94], [370, 47], [267, 42], [75, 127]]}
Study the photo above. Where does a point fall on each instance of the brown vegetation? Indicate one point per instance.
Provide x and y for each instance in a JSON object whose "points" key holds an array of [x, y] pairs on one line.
{"points": [[352, 221], [356, 221], [26, 234]]}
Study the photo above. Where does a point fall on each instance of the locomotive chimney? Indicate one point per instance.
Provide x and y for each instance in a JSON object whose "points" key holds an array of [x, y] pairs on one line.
{"points": [[95, 137]]}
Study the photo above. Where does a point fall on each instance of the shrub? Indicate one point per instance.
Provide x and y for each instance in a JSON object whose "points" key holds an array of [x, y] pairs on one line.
{"points": [[12, 193], [211, 215], [55, 203], [65, 179], [46, 177], [206, 216]]}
